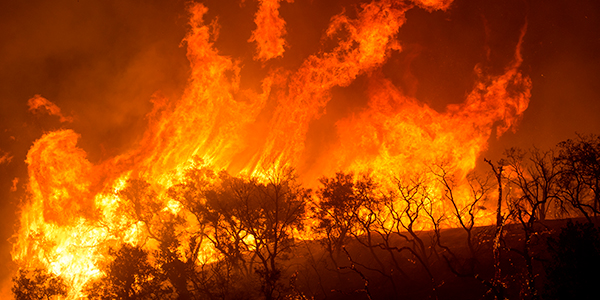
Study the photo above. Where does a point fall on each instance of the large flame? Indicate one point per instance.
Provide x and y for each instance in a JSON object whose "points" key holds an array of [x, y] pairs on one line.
{"points": [[71, 218], [270, 28]]}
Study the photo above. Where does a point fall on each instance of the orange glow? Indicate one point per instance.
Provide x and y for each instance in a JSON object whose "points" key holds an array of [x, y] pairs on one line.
{"points": [[433, 4], [37, 102], [5, 157], [74, 211], [397, 132], [367, 45], [269, 32]]}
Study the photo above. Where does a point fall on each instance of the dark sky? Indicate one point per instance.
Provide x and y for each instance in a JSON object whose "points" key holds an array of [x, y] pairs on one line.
{"points": [[100, 62]]}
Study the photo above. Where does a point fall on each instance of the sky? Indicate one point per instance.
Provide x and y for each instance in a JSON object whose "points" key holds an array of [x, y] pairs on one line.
{"points": [[100, 62]]}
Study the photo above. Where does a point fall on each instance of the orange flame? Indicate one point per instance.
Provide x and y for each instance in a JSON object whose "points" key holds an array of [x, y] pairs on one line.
{"points": [[370, 38], [269, 32], [72, 216], [397, 132]]}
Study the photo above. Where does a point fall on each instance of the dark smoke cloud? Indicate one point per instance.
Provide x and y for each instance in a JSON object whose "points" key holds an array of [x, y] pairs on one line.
{"points": [[99, 60]]}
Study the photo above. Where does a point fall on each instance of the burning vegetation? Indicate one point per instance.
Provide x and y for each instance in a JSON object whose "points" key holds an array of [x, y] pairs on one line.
{"points": [[223, 199]]}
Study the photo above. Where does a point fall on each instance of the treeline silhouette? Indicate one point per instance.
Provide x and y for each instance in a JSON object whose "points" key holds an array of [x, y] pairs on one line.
{"points": [[503, 234]]}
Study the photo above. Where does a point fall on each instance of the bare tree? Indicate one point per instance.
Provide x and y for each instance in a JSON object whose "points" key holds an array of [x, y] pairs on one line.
{"points": [[465, 210], [498, 287], [533, 177], [401, 222], [579, 161]]}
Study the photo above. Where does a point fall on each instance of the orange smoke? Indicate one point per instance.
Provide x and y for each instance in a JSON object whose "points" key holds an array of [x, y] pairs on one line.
{"points": [[38, 102], [5, 157], [13, 187]]}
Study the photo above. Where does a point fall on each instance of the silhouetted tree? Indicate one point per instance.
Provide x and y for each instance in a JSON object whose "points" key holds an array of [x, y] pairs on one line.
{"points": [[579, 161], [251, 219], [178, 254], [169, 229], [177, 261], [281, 210], [401, 223], [128, 276], [37, 284], [140, 203], [349, 207], [224, 208], [464, 210], [466, 207], [342, 200], [533, 177], [498, 286], [337, 210], [212, 221]]}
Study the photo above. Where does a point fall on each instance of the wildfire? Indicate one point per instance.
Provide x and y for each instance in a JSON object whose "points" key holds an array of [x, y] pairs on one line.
{"points": [[73, 213]]}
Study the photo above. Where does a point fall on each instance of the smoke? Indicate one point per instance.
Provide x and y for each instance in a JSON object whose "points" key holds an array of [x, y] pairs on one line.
{"points": [[5, 157], [38, 102], [101, 73]]}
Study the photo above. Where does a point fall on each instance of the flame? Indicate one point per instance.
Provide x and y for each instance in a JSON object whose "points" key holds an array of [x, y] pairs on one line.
{"points": [[269, 32], [74, 209], [367, 45], [396, 132], [38, 102], [434, 4]]}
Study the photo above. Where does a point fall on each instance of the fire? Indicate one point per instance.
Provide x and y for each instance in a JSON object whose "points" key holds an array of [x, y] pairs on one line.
{"points": [[397, 132], [269, 32], [74, 212]]}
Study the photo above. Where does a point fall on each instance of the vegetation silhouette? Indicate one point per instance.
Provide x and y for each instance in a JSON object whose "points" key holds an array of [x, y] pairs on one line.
{"points": [[505, 233]]}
